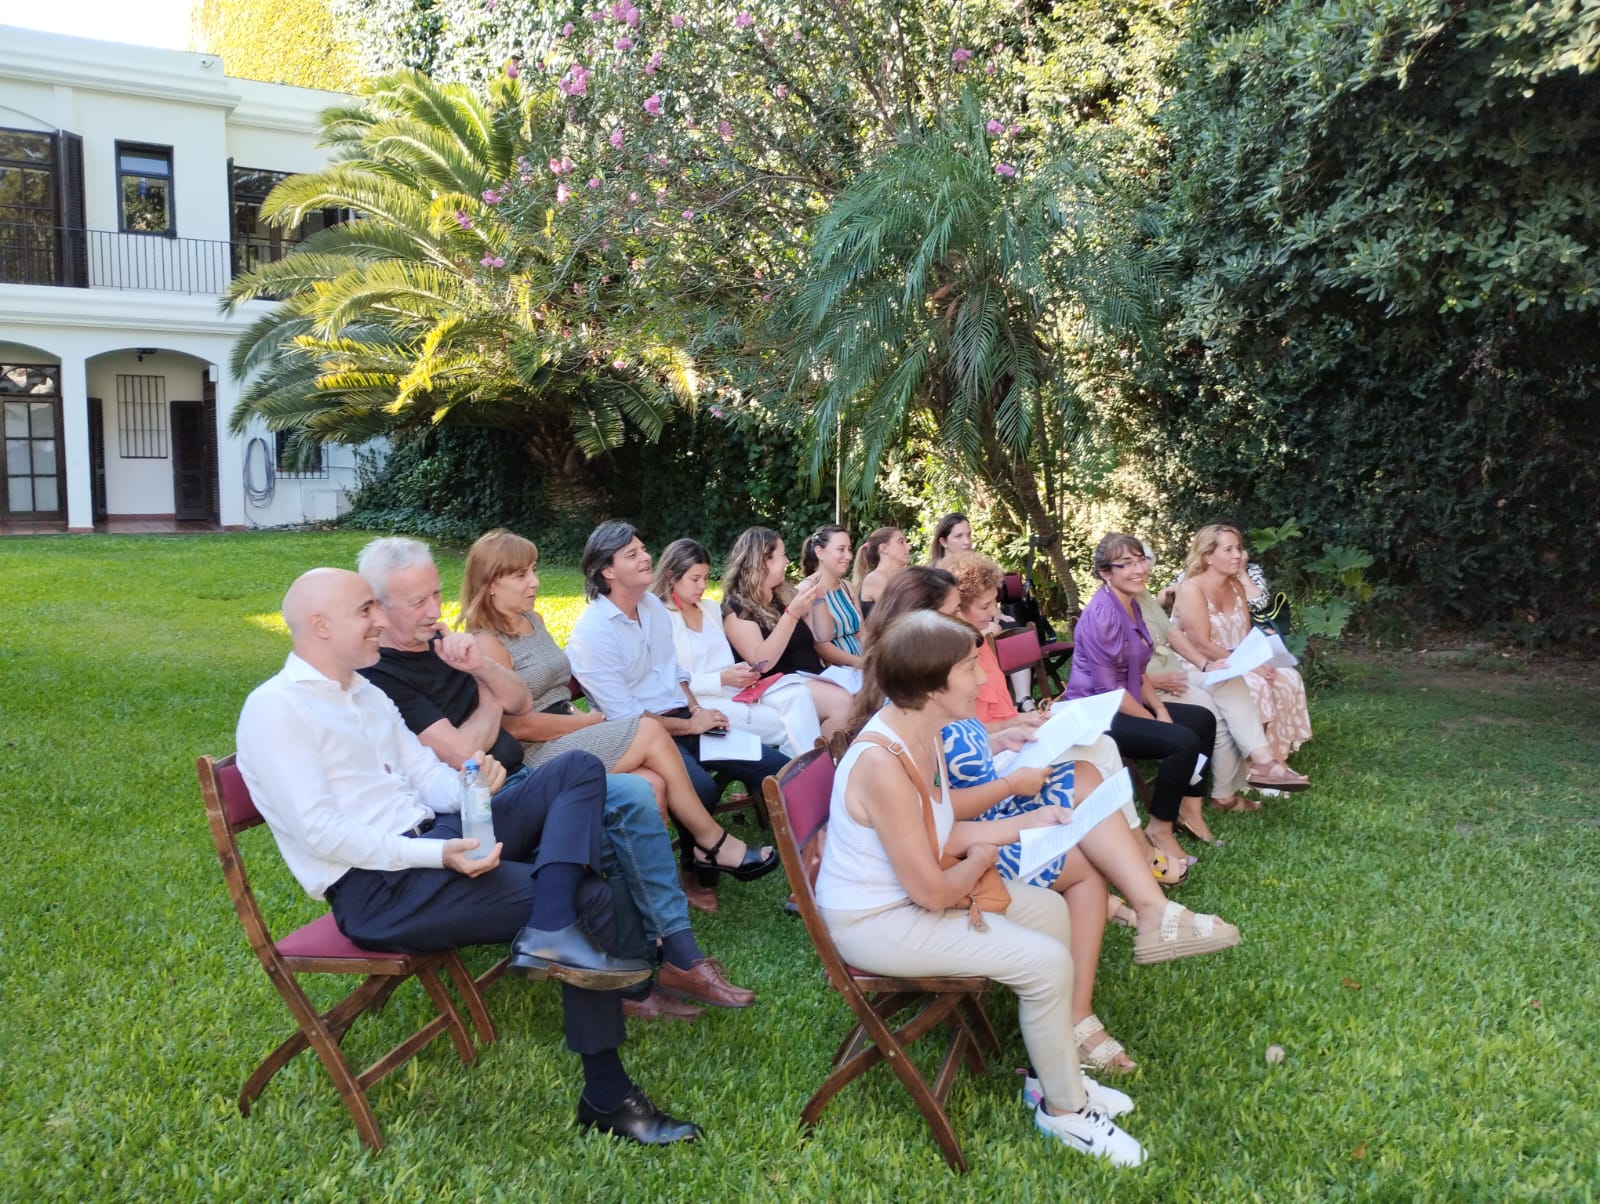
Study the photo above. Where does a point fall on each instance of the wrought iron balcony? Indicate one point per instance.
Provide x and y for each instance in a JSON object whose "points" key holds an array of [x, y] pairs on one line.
{"points": [[70, 258]]}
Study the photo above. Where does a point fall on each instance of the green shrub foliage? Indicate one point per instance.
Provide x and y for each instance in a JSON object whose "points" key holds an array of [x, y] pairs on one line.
{"points": [[1386, 216]]}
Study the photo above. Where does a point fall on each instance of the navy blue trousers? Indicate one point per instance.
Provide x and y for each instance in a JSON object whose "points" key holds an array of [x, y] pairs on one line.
{"points": [[552, 815]]}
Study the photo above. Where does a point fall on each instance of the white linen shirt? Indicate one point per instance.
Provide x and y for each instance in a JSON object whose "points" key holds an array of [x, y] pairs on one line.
{"points": [[338, 776], [627, 667]]}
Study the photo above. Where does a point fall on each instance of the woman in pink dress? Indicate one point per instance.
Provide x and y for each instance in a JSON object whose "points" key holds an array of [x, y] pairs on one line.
{"points": [[1212, 612]]}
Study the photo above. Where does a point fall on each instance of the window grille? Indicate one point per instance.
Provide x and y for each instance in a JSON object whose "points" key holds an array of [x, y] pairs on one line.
{"points": [[142, 417]]}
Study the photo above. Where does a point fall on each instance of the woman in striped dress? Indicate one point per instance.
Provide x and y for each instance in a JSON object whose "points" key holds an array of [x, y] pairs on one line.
{"points": [[835, 614]]}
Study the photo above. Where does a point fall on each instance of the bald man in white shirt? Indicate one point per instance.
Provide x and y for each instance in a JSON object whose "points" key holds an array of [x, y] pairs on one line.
{"points": [[367, 817]]}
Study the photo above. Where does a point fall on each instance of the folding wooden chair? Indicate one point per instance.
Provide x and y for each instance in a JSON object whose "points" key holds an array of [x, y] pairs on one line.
{"points": [[1018, 648], [797, 801], [320, 948]]}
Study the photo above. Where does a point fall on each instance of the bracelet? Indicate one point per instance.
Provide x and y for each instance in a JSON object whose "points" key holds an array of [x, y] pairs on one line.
{"points": [[695, 710]]}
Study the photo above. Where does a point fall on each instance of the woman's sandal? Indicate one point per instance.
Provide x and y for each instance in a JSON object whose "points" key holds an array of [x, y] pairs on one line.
{"points": [[1179, 826], [1236, 802], [1107, 1054], [1118, 912], [1168, 873], [1279, 777], [1177, 937], [753, 866]]}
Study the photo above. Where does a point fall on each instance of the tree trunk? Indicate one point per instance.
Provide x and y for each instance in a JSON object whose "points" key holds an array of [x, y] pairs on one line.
{"points": [[568, 485], [1013, 480]]}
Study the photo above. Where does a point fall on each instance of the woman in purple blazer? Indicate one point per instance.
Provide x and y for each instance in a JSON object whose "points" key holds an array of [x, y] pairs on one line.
{"points": [[1111, 648]]}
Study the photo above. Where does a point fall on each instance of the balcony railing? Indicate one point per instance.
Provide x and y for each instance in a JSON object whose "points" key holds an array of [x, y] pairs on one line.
{"points": [[70, 258]]}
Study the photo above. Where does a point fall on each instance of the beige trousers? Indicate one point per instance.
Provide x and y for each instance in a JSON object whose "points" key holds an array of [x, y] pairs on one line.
{"points": [[1239, 730], [1024, 949]]}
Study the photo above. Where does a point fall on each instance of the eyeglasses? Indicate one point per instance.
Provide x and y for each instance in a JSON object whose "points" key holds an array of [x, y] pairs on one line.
{"points": [[1119, 565]]}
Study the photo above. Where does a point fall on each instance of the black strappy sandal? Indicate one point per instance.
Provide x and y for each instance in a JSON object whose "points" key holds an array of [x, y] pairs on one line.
{"points": [[753, 866]]}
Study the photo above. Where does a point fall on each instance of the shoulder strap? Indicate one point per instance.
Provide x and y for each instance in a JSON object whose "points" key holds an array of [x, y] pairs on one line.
{"points": [[910, 766]]}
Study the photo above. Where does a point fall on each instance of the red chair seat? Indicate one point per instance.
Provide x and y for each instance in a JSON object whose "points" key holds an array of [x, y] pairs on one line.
{"points": [[322, 938]]}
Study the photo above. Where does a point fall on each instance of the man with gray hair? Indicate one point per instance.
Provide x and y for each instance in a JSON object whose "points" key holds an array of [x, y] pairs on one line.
{"points": [[368, 818], [453, 697]]}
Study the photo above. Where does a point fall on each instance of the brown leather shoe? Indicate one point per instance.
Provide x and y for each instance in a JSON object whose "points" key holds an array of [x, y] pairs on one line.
{"points": [[704, 982], [656, 1006], [701, 897]]}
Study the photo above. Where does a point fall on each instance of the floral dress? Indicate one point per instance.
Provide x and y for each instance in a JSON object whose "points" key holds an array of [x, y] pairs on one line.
{"points": [[1281, 701], [970, 762]]}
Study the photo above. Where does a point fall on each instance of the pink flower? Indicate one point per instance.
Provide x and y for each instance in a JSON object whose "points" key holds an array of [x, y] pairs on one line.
{"points": [[576, 81], [619, 364], [513, 69], [616, 138], [489, 4], [780, 91], [718, 412], [725, 131], [1013, 130], [633, 198], [688, 215], [766, 298], [594, 181], [562, 195], [491, 197], [677, 21], [566, 30], [995, 127], [743, 21], [492, 261], [960, 55], [623, 43], [988, 69], [653, 105], [632, 18], [1005, 170], [463, 220], [654, 64]]}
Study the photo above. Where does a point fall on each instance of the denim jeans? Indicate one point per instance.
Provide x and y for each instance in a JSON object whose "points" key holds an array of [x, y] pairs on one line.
{"points": [[637, 854]]}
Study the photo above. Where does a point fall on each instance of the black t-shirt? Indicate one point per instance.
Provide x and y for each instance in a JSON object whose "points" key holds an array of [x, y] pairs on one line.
{"points": [[801, 654], [426, 690]]}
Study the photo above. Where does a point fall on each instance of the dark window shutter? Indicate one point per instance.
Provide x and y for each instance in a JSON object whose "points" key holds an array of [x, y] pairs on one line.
{"points": [[73, 245]]}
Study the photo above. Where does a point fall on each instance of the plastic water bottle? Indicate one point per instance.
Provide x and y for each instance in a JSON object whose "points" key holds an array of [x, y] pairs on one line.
{"points": [[475, 818]]}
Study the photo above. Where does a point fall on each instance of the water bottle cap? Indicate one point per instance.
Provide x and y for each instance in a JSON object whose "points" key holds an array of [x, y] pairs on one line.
{"points": [[470, 764]]}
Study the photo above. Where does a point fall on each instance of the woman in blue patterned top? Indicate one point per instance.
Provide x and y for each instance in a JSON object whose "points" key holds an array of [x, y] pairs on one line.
{"points": [[835, 614], [1110, 851]]}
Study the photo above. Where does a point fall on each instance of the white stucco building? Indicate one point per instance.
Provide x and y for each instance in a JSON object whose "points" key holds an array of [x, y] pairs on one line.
{"points": [[130, 188]]}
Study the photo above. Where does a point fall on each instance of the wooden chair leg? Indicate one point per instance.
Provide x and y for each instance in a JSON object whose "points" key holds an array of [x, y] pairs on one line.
{"points": [[371, 994], [429, 977], [467, 988]]}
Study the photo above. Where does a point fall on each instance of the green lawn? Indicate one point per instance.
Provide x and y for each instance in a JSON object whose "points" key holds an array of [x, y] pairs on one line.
{"points": [[1419, 937]]}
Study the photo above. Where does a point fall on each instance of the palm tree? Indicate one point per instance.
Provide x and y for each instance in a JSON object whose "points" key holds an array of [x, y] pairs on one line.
{"points": [[432, 305], [940, 286]]}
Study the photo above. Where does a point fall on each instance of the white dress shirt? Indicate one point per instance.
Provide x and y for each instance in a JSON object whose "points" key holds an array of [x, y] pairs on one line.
{"points": [[338, 776], [627, 666]]}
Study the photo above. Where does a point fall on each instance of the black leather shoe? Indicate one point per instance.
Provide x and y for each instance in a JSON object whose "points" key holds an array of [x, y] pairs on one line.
{"points": [[637, 1119], [570, 955]]}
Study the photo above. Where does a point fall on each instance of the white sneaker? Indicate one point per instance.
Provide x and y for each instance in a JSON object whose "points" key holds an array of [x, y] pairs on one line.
{"points": [[1091, 1132], [1109, 1100]]}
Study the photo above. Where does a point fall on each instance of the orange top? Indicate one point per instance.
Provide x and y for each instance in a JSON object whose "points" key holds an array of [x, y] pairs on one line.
{"points": [[994, 696]]}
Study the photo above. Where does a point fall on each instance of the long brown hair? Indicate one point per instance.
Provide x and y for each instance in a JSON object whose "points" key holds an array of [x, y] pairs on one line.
{"points": [[497, 554], [744, 581], [677, 558], [947, 524], [918, 588]]}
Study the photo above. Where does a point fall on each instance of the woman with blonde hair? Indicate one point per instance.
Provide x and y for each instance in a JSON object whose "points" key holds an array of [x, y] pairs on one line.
{"points": [[1212, 611], [765, 619]]}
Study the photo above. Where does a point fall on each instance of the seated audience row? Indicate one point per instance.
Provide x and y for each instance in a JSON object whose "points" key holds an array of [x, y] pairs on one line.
{"points": [[352, 753]]}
